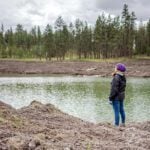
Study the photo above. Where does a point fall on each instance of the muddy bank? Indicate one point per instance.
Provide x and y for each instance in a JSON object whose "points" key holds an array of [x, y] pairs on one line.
{"points": [[44, 127], [138, 68]]}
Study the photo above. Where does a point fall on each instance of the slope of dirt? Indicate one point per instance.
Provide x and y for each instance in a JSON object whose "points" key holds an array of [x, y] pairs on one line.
{"points": [[44, 127], [138, 68]]}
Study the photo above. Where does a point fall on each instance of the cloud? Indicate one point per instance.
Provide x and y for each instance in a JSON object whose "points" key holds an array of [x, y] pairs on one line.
{"points": [[140, 7], [107, 5], [11, 15], [35, 12], [41, 12]]}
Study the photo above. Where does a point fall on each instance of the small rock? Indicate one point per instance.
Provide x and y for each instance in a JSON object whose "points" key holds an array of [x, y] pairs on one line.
{"points": [[34, 143], [67, 148]]}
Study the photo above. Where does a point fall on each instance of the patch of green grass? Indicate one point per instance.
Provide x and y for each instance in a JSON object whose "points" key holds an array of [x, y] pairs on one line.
{"points": [[141, 57], [24, 59], [120, 59], [75, 58]]}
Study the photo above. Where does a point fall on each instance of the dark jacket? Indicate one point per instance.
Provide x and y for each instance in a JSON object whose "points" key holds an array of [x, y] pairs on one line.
{"points": [[118, 86]]}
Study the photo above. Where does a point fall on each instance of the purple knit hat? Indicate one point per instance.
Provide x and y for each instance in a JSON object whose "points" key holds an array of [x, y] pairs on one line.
{"points": [[121, 67]]}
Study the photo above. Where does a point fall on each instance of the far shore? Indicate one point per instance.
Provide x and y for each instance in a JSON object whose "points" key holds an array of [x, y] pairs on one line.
{"points": [[135, 68]]}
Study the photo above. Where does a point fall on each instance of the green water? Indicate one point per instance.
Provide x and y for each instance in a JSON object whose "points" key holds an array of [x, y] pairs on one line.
{"points": [[83, 97]]}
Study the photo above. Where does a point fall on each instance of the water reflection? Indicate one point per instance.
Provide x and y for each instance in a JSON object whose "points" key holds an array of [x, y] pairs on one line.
{"points": [[84, 97]]}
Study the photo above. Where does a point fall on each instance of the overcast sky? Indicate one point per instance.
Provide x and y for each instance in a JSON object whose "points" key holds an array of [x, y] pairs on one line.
{"points": [[41, 12]]}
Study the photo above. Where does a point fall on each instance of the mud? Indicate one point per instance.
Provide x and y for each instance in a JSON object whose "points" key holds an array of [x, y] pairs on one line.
{"points": [[140, 68], [44, 127]]}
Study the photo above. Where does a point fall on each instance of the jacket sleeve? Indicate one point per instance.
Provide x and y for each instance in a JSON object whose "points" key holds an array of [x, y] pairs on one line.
{"points": [[114, 88]]}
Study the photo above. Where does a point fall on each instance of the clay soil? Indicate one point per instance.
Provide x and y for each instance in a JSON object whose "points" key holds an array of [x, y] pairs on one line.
{"points": [[140, 68]]}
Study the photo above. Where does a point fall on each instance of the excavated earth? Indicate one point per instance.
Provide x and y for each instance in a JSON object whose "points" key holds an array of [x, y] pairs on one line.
{"points": [[139, 68], [44, 127]]}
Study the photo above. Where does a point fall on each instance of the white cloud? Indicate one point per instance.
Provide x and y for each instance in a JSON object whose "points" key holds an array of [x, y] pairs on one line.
{"points": [[41, 12], [140, 7]]}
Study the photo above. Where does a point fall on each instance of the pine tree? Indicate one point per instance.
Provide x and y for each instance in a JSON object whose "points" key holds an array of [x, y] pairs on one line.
{"points": [[9, 41], [49, 44], [86, 41], [59, 26], [132, 34], [78, 42], [39, 43], [148, 38], [3, 51], [126, 29], [97, 38], [65, 36], [116, 44], [33, 34], [140, 40], [71, 40]]}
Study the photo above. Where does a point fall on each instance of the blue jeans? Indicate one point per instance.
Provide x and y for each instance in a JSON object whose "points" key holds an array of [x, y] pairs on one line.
{"points": [[118, 107]]}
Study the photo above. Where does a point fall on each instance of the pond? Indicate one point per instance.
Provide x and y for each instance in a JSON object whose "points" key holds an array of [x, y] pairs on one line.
{"points": [[81, 96]]}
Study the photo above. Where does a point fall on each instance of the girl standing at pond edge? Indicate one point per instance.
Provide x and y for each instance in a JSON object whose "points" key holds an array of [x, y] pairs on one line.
{"points": [[117, 93]]}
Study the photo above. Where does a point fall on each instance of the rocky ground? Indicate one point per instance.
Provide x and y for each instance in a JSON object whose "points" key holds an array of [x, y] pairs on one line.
{"points": [[44, 127], [140, 68]]}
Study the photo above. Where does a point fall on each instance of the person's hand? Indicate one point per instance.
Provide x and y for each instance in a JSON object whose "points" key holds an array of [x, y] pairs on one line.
{"points": [[110, 102]]}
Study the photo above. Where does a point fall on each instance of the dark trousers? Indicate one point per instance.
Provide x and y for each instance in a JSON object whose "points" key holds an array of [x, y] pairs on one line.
{"points": [[118, 107]]}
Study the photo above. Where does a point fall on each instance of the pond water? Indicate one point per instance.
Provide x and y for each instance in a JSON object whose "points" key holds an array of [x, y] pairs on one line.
{"points": [[81, 96]]}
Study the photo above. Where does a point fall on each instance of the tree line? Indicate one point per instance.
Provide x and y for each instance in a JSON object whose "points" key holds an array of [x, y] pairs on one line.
{"points": [[110, 37]]}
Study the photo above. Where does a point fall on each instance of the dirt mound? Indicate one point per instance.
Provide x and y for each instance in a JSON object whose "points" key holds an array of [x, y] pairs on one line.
{"points": [[44, 127]]}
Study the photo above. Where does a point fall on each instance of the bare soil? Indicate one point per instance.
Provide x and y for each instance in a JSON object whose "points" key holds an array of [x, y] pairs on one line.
{"points": [[140, 68], [44, 127]]}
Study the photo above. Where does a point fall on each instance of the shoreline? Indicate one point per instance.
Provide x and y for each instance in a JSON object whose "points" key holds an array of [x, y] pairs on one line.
{"points": [[138, 68]]}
